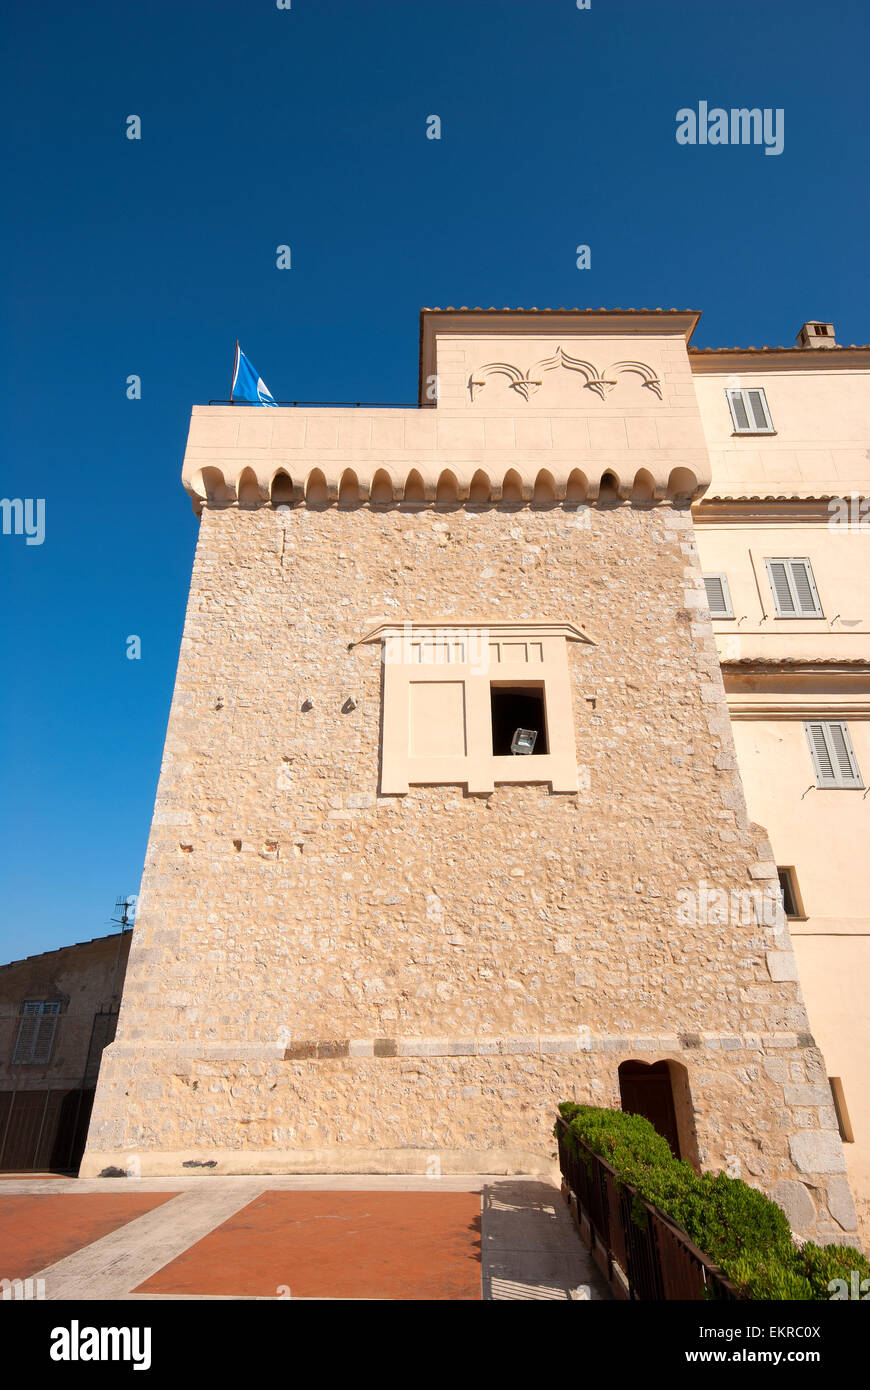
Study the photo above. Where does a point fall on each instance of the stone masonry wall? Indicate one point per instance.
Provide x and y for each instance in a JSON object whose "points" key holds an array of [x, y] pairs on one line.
{"points": [[326, 979]]}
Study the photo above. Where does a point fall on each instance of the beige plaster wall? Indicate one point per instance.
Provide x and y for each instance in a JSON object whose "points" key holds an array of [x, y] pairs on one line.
{"points": [[804, 668], [821, 414]]}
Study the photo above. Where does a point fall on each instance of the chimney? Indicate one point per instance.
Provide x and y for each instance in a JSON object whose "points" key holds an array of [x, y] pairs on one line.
{"points": [[816, 335]]}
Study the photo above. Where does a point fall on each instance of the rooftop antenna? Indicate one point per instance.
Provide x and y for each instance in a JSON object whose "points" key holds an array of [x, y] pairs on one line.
{"points": [[123, 906]]}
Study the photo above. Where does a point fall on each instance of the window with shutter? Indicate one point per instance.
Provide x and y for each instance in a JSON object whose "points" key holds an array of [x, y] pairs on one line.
{"points": [[833, 756], [718, 596], [749, 412], [794, 588], [36, 1031]]}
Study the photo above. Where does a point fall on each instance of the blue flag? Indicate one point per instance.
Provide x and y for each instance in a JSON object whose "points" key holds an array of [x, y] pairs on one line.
{"points": [[248, 385]]}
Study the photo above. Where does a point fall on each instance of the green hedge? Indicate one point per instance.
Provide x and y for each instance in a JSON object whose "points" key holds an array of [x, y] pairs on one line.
{"points": [[737, 1227]]}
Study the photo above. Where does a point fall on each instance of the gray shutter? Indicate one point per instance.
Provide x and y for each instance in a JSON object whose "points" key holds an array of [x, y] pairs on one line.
{"points": [[833, 756], [846, 764], [27, 1031], [717, 596], [821, 757], [780, 585], [36, 1031], [802, 578], [44, 1037]]}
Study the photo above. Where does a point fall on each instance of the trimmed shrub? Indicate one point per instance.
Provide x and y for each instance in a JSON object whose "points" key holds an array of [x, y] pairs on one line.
{"points": [[737, 1227]]}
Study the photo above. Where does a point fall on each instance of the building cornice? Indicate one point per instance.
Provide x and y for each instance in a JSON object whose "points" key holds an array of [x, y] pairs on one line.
{"points": [[795, 665], [723, 507], [710, 361], [797, 687]]}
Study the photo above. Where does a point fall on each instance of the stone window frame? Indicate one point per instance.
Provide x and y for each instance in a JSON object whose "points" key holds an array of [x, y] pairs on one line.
{"points": [[473, 655]]}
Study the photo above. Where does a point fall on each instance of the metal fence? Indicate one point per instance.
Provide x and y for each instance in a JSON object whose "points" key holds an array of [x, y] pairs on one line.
{"points": [[639, 1250]]}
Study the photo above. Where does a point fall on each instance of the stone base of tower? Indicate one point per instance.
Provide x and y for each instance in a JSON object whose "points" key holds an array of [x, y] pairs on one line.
{"points": [[489, 1108]]}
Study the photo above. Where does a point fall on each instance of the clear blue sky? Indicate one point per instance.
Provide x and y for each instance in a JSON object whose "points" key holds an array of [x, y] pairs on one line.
{"points": [[307, 127]]}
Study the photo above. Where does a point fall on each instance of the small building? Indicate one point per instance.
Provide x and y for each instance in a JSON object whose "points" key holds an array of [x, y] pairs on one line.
{"points": [[58, 1010]]}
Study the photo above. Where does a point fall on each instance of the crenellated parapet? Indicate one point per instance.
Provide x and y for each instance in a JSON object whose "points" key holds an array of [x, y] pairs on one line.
{"points": [[516, 409], [298, 483]]}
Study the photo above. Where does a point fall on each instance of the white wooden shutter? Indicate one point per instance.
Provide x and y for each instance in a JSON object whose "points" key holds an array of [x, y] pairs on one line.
{"points": [[805, 589], [794, 588], [833, 756], [778, 572], [718, 597]]}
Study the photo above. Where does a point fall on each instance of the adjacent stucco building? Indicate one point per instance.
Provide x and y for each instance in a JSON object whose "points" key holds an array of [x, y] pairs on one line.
{"points": [[374, 933]]}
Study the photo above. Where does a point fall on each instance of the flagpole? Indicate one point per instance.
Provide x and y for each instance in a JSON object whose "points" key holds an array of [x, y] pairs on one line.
{"points": [[235, 364]]}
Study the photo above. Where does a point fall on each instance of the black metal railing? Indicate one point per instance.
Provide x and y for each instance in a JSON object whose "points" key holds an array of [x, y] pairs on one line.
{"points": [[336, 405], [639, 1249]]}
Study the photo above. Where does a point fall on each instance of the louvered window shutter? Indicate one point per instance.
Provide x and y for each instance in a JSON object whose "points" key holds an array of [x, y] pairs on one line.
{"points": [[27, 1031], [803, 582], [845, 764], [794, 588], [718, 598], [36, 1031], [44, 1038], [821, 757], [833, 755], [780, 585]]}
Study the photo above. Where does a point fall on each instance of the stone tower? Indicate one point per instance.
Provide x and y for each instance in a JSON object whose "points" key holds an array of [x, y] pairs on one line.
{"points": [[370, 936]]}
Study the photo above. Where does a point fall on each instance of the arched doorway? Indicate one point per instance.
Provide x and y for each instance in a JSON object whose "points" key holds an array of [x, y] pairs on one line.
{"points": [[660, 1092]]}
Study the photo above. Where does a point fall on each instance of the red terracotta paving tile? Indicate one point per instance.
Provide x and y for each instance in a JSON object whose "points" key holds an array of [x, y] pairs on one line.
{"points": [[374, 1245], [37, 1230]]}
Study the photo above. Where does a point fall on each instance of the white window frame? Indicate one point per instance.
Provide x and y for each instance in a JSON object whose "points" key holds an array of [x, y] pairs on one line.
{"points": [[37, 1051], [728, 611], [838, 779], [788, 562], [731, 393]]}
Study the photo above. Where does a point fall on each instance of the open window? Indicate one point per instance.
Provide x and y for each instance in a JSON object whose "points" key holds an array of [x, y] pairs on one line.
{"points": [[792, 904], [519, 720]]}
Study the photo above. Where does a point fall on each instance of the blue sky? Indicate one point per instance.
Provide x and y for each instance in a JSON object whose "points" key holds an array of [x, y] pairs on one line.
{"points": [[307, 127]]}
